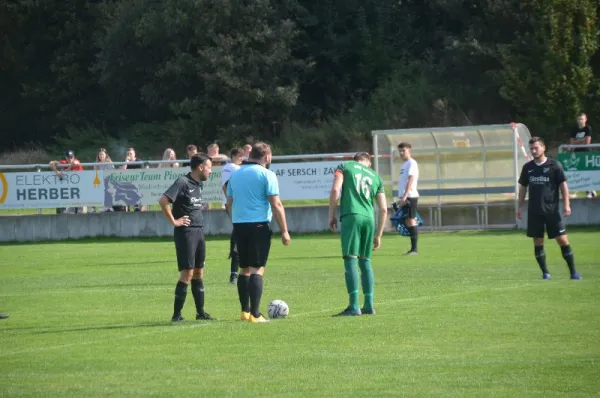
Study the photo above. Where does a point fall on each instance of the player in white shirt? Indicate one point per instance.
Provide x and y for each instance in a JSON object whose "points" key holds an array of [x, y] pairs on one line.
{"points": [[408, 194], [236, 156]]}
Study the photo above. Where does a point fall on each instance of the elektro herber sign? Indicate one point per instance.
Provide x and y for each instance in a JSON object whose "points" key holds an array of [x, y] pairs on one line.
{"points": [[40, 190]]}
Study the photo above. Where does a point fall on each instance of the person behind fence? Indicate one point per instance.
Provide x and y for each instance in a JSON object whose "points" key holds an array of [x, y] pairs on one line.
{"points": [[252, 199], [213, 152], [233, 165], [103, 157], [131, 157], [68, 164], [190, 151], [190, 247], [582, 135], [247, 149], [408, 196], [169, 154], [358, 186], [544, 178]]}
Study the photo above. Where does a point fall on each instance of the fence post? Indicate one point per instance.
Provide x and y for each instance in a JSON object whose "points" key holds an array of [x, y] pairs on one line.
{"points": [[39, 170]]}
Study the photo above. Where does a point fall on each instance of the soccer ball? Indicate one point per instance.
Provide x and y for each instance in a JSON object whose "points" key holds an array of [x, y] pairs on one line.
{"points": [[278, 309]]}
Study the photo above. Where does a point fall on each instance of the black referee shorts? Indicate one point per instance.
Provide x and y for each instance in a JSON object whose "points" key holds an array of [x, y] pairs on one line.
{"points": [[410, 207], [190, 247], [253, 242], [552, 223]]}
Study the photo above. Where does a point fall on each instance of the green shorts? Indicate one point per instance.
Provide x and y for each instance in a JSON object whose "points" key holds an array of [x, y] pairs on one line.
{"points": [[357, 233]]}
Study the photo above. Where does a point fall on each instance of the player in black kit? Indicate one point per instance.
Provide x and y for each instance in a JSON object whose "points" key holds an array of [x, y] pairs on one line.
{"points": [[186, 196], [545, 178]]}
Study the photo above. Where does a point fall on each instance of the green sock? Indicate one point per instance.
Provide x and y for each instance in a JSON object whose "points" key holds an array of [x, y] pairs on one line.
{"points": [[368, 281], [351, 266]]}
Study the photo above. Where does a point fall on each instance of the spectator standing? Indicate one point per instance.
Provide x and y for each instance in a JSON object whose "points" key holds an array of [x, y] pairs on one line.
{"points": [[582, 135], [69, 163], [131, 157], [190, 151], [103, 157], [169, 154], [213, 153], [247, 149]]}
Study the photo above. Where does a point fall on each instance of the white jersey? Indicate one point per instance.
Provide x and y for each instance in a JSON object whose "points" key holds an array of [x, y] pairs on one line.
{"points": [[226, 173], [409, 168]]}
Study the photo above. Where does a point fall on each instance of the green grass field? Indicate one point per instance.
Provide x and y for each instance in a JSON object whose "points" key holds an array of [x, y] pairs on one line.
{"points": [[470, 316]]}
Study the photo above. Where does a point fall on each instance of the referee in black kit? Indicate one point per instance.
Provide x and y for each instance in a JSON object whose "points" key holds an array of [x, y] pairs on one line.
{"points": [[544, 178], [186, 196], [252, 200]]}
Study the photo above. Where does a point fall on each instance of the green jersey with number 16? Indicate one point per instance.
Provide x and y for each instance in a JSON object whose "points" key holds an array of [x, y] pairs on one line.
{"points": [[361, 186]]}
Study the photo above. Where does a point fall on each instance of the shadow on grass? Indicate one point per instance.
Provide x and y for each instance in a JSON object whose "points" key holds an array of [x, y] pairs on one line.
{"points": [[135, 264], [41, 330], [157, 239], [139, 286]]}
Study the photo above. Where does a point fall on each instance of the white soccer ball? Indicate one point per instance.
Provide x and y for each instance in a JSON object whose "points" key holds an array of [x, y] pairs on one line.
{"points": [[278, 309]]}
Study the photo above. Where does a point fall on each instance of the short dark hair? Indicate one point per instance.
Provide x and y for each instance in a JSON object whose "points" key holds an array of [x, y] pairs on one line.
{"points": [[533, 140], [362, 156], [198, 159], [259, 150], [404, 145], [191, 147], [236, 152]]}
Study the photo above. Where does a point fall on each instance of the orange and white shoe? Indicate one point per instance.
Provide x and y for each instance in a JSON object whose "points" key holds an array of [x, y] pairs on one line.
{"points": [[245, 316], [258, 319]]}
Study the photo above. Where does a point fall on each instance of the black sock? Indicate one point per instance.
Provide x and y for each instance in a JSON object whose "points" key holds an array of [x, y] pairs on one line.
{"points": [[540, 256], [567, 254], [235, 263], [234, 256], [255, 287], [242, 285], [198, 292], [180, 293], [414, 237]]}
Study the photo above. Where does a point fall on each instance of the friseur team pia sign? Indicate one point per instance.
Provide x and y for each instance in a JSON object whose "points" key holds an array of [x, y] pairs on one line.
{"points": [[297, 181], [582, 170]]}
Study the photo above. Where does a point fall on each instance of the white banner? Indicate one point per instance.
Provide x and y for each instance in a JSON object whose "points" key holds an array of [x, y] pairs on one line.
{"points": [[146, 186], [46, 190], [297, 181], [304, 181], [587, 180]]}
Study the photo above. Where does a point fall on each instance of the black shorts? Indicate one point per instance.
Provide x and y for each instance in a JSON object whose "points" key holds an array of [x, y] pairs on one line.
{"points": [[190, 247], [410, 207], [552, 223], [253, 242]]}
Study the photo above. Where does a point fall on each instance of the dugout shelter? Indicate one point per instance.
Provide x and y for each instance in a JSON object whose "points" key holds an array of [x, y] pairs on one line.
{"points": [[468, 175]]}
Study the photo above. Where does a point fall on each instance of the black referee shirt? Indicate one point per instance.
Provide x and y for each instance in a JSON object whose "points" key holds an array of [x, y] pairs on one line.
{"points": [[543, 182], [186, 196]]}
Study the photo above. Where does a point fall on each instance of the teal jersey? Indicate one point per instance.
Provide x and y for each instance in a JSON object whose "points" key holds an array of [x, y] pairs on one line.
{"points": [[361, 186]]}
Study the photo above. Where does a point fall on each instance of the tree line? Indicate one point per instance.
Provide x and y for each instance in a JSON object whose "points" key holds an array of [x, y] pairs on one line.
{"points": [[306, 75]]}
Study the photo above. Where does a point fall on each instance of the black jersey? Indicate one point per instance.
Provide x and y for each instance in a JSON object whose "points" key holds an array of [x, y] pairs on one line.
{"points": [[579, 133], [543, 182], [186, 196]]}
